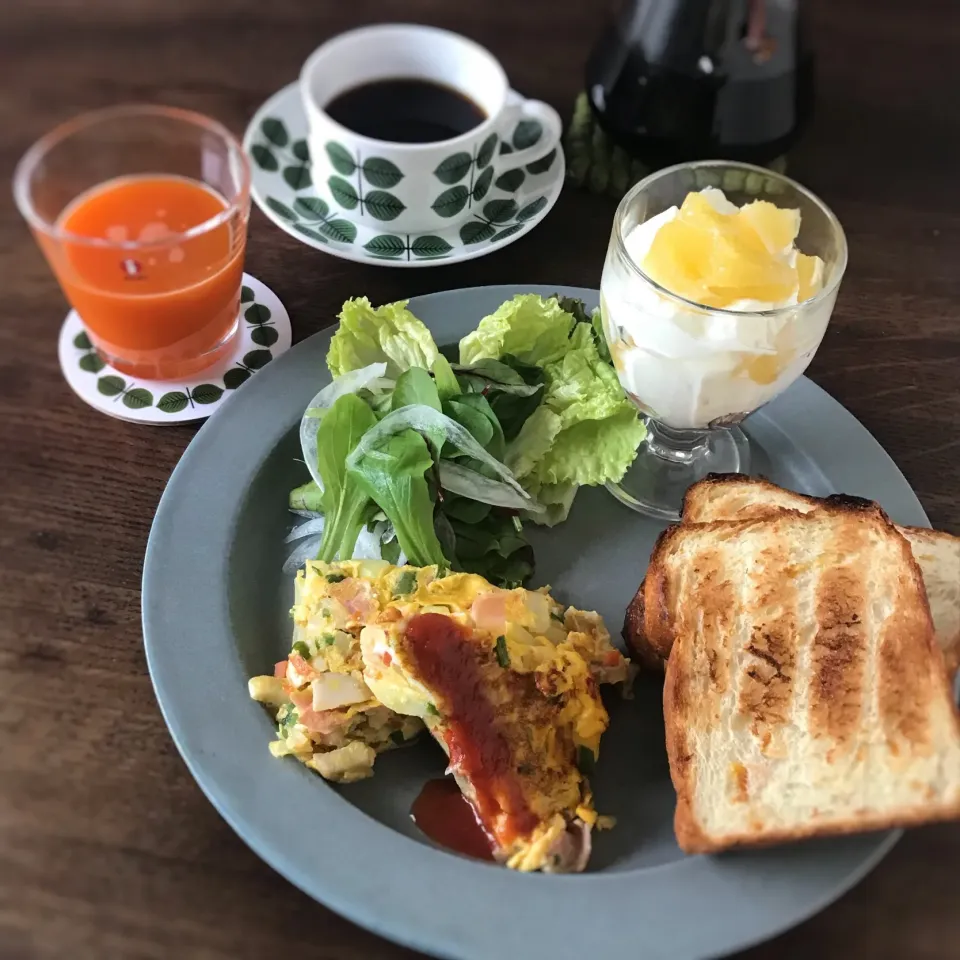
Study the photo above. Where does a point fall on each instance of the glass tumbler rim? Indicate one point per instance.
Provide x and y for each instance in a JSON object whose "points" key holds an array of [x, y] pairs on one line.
{"points": [[53, 138], [827, 290]]}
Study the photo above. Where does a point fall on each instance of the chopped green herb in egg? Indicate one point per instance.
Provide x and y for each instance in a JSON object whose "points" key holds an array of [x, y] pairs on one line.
{"points": [[301, 648], [405, 584]]}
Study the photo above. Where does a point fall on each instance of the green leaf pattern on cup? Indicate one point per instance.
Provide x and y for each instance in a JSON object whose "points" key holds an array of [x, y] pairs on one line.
{"points": [[381, 173], [343, 192], [377, 172], [257, 315], [526, 134], [451, 201], [482, 186], [365, 184], [485, 153], [340, 158], [454, 168], [383, 205]]}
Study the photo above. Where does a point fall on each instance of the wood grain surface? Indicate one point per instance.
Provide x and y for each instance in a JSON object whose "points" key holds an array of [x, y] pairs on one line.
{"points": [[107, 847]]}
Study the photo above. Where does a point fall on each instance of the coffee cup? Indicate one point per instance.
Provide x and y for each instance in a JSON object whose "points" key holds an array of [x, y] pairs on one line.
{"points": [[398, 86]]}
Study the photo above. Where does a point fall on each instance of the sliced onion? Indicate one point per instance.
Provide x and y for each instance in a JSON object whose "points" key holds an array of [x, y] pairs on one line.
{"points": [[468, 483], [301, 553], [349, 383], [314, 526]]}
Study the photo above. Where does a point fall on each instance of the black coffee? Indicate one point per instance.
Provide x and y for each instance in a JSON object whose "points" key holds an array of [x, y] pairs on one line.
{"points": [[405, 111]]}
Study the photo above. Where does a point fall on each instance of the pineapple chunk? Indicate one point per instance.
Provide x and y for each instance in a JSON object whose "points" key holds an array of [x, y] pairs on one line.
{"points": [[717, 254]]}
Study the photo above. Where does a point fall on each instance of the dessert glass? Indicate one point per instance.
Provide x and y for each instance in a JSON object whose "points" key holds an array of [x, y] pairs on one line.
{"points": [[695, 372]]}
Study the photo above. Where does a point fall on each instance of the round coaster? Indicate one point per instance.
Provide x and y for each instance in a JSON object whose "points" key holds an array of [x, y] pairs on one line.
{"points": [[264, 334]]}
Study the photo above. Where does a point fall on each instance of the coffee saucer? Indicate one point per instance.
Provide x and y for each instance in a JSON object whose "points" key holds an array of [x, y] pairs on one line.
{"points": [[494, 214]]}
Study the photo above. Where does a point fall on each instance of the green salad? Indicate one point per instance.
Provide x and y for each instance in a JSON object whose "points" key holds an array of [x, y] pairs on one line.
{"points": [[440, 454]]}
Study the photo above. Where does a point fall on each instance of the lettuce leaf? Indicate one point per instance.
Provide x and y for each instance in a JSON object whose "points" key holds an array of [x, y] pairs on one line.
{"points": [[389, 334], [584, 432], [533, 442], [528, 327], [593, 451], [556, 500]]}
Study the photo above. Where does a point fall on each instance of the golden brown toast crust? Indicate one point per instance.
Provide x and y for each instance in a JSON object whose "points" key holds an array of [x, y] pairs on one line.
{"points": [[734, 496], [647, 630], [909, 671]]}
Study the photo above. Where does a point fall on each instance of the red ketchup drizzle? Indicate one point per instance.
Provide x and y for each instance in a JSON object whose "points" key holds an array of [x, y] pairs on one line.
{"points": [[447, 818], [446, 659]]}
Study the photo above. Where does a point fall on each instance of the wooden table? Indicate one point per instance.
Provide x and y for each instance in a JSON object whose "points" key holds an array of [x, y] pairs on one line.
{"points": [[107, 847]]}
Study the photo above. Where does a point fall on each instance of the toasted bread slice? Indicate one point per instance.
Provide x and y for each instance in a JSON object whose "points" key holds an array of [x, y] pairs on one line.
{"points": [[805, 694], [736, 497]]}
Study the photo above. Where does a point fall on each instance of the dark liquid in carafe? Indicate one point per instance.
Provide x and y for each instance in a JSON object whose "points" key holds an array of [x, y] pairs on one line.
{"points": [[677, 80], [405, 111]]}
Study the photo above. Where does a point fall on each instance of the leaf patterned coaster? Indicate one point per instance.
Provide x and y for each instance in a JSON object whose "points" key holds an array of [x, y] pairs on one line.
{"points": [[264, 334], [486, 213], [597, 164]]}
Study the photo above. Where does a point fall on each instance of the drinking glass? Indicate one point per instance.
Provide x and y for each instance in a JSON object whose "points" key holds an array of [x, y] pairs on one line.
{"points": [[141, 212], [695, 372]]}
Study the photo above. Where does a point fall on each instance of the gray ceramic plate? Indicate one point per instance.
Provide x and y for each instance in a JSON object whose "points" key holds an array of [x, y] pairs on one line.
{"points": [[215, 612]]}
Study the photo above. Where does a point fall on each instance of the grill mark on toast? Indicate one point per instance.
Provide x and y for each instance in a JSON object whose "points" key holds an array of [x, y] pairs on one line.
{"points": [[766, 682], [907, 665], [714, 603], [838, 657]]}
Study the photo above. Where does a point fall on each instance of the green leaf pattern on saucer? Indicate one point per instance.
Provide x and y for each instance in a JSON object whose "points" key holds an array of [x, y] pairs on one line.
{"points": [[323, 213], [500, 219], [421, 246], [275, 150]]}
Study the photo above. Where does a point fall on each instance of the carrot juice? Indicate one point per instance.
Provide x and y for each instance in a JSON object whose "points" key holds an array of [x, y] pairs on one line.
{"points": [[154, 275]]}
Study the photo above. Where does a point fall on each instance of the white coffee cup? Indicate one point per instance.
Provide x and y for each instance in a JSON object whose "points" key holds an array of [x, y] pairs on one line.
{"points": [[415, 187]]}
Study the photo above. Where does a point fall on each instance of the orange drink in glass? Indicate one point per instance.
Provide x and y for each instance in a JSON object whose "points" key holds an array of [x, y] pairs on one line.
{"points": [[141, 212]]}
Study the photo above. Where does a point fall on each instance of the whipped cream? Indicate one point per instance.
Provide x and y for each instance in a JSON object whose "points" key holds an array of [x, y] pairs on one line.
{"points": [[689, 366]]}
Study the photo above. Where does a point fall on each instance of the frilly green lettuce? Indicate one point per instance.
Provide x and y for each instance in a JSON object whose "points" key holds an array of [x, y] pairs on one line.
{"points": [[389, 334], [585, 431], [527, 327]]}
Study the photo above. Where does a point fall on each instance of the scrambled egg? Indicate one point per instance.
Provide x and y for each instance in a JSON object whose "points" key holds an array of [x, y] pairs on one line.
{"points": [[505, 680]]}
